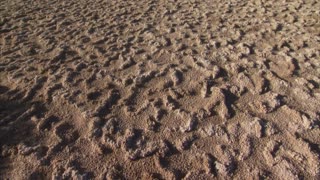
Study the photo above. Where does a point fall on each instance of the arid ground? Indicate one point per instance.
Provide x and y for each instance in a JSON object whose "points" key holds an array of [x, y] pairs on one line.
{"points": [[159, 89]]}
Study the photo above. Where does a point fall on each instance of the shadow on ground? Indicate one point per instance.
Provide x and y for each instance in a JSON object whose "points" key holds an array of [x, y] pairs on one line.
{"points": [[16, 126]]}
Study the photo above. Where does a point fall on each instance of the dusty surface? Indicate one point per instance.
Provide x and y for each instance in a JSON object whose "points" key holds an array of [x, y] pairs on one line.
{"points": [[97, 89]]}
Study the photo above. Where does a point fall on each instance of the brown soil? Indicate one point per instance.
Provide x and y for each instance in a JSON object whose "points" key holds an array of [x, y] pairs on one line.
{"points": [[159, 89]]}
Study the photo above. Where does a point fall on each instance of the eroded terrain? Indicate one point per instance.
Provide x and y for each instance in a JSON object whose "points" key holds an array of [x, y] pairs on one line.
{"points": [[159, 89]]}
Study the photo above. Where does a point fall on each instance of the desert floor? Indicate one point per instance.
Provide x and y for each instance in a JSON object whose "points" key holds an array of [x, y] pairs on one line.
{"points": [[159, 89]]}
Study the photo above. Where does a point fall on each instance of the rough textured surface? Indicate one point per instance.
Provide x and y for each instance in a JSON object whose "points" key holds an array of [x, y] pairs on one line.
{"points": [[97, 89]]}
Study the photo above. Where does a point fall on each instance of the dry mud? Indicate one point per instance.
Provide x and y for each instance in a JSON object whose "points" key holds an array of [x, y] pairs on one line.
{"points": [[159, 89]]}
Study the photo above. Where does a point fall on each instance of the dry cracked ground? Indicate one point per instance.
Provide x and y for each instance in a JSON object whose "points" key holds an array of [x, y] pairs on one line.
{"points": [[159, 89]]}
